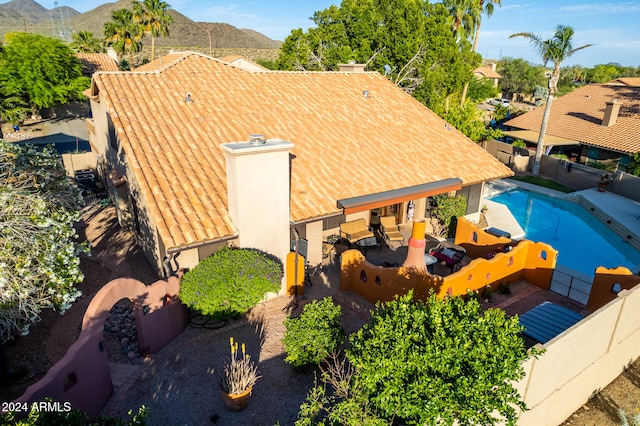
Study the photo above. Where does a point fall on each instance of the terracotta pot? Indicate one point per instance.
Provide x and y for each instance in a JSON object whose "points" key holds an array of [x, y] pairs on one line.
{"points": [[236, 402]]}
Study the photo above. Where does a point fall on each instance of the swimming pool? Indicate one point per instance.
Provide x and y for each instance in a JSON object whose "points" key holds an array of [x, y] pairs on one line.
{"points": [[582, 241]]}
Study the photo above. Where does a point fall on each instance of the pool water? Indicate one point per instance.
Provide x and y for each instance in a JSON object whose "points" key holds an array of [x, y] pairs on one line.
{"points": [[582, 241]]}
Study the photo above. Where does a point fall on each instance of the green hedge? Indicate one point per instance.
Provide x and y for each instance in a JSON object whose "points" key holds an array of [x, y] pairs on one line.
{"points": [[230, 282], [316, 333]]}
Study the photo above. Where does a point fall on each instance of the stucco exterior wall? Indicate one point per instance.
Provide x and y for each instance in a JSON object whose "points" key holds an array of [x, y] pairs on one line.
{"points": [[581, 361]]}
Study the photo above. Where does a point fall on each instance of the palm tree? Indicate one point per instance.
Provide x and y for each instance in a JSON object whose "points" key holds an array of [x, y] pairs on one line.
{"points": [[85, 42], [556, 49], [463, 17], [153, 16], [480, 6], [123, 33], [485, 7]]}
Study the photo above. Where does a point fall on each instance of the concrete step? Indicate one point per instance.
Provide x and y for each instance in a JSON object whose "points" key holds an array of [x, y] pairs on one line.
{"points": [[608, 221]]}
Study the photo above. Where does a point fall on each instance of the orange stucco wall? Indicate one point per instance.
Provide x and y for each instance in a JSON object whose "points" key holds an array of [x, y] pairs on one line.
{"points": [[602, 290], [534, 262], [82, 377]]}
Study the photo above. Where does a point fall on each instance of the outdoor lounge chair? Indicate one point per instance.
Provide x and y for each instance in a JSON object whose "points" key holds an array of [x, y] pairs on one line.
{"points": [[355, 230], [450, 254], [390, 230]]}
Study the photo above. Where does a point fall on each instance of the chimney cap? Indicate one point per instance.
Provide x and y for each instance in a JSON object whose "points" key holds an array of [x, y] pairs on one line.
{"points": [[257, 139]]}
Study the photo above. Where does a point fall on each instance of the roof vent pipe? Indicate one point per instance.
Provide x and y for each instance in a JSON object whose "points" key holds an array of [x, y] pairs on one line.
{"points": [[257, 139], [611, 113]]}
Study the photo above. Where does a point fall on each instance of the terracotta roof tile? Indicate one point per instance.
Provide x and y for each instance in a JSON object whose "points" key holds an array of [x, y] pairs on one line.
{"points": [[578, 116], [345, 144], [94, 62], [487, 72]]}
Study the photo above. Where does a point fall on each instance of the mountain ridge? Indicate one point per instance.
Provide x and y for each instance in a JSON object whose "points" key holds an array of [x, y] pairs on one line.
{"points": [[29, 15]]}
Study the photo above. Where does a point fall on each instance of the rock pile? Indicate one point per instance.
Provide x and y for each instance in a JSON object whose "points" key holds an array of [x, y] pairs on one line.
{"points": [[121, 335]]}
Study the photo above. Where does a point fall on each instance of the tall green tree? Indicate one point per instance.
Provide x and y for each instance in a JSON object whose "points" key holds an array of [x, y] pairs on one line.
{"points": [[441, 361], [155, 21], [85, 42], [519, 76], [556, 49], [409, 41], [43, 71], [123, 33], [481, 7]]}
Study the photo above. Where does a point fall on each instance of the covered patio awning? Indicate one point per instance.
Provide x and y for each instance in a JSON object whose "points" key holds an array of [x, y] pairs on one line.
{"points": [[532, 137], [395, 196]]}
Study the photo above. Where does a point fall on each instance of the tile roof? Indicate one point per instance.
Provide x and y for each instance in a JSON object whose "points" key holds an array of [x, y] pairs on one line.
{"points": [[487, 72], [578, 116], [345, 144], [93, 62], [626, 81]]}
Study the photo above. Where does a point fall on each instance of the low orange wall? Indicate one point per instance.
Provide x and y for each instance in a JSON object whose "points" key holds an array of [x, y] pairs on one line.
{"points": [[534, 262], [602, 289], [82, 377]]}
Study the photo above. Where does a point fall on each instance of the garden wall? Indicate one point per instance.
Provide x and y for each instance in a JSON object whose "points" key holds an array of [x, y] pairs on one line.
{"points": [[574, 175], [527, 260], [581, 361], [82, 377]]}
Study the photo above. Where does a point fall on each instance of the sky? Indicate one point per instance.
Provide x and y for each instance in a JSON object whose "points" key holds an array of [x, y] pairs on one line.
{"points": [[612, 27]]}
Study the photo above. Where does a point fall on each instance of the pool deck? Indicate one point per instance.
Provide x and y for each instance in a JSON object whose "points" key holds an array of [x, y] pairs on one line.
{"points": [[619, 213]]}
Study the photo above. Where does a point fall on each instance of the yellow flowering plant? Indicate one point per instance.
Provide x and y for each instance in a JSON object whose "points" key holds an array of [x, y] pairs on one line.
{"points": [[240, 372]]}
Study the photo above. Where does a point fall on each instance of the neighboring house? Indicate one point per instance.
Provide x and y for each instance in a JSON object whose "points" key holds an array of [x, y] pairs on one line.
{"points": [[242, 62], [93, 62], [602, 121], [186, 176], [489, 72]]}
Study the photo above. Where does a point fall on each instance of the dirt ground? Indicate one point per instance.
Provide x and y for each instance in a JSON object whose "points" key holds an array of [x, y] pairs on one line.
{"points": [[114, 255]]}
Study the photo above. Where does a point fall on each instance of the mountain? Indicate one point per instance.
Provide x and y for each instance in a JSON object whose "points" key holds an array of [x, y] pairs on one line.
{"points": [[18, 15]]}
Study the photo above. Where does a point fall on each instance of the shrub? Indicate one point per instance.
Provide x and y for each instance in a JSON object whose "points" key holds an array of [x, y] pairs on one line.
{"points": [[230, 282], [447, 210], [519, 143], [315, 334]]}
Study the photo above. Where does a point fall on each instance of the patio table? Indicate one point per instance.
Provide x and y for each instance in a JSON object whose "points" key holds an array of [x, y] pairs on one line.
{"points": [[368, 242]]}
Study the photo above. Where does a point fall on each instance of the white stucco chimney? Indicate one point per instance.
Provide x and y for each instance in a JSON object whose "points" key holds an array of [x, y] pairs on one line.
{"points": [[611, 113], [351, 67], [258, 193]]}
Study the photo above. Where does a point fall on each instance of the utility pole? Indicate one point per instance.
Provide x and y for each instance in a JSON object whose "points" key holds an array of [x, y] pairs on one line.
{"points": [[24, 22], [209, 34]]}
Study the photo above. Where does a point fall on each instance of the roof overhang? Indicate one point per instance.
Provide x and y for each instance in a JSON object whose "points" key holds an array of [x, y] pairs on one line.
{"points": [[395, 196], [532, 137]]}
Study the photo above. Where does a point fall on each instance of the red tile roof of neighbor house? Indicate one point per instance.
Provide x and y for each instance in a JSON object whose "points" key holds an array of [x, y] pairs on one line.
{"points": [[578, 116], [487, 72], [626, 81], [346, 143], [97, 62]]}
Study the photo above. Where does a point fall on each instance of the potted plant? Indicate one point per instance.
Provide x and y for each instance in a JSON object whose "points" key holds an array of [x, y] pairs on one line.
{"points": [[484, 209], [237, 378]]}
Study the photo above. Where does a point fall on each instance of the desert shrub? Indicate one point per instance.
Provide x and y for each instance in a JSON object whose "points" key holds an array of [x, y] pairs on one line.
{"points": [[230, 281], [315, 334]]}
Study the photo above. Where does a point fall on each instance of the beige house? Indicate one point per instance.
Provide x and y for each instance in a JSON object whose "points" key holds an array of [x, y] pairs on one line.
{"points": [[187, 177], [489, 72], [601, 121]]}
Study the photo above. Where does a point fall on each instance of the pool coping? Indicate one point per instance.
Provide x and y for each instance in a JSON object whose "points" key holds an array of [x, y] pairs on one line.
{"points": [[617, 215]]}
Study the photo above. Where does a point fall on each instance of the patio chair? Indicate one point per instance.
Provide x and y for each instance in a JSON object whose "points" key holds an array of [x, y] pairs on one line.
{"points": [[355, 230], [450, 254], [390, 230]]}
